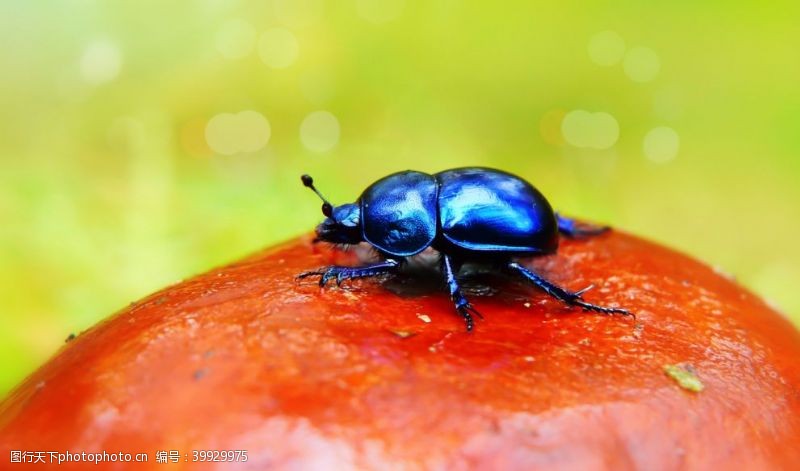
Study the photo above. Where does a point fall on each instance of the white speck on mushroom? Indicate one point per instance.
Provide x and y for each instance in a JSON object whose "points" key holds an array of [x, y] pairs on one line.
{"points": [[350, 296]]}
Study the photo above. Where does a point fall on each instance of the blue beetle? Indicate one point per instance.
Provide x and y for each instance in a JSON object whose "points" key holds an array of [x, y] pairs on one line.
{"points": [[470, 214]]}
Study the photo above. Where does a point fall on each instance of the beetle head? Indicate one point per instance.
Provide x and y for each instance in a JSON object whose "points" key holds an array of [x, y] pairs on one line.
{"points": [[342, 224]]}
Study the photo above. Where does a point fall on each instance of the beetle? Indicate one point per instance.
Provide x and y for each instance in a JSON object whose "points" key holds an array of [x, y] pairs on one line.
{"points": [[470, 214]]}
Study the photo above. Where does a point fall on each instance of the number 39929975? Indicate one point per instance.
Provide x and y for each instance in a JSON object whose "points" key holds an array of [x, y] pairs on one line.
{"points": [[220, 456]]}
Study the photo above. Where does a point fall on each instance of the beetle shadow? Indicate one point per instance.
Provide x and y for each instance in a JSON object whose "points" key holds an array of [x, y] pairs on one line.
{"points": [[475, 280]]}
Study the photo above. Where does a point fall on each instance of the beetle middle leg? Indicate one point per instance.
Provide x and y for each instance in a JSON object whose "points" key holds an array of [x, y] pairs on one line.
{"points": [[574, 229], [463, 307], [563, 295], [340, 273]]}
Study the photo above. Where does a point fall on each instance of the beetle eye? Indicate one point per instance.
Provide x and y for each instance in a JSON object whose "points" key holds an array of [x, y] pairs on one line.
{"points": [[327, 210]]}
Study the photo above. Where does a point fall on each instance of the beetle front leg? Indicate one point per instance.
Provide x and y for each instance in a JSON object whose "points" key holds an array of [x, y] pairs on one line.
{"points": [[574, 229], [567, 297], [463, 307], [348, 273]]}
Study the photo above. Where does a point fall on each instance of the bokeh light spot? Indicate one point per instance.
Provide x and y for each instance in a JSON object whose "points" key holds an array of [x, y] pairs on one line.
{"points": [[581, 128], [101, 62], [228, 133], [641, 64], [606, 48], [254, 131], [606, 131], [320, 131], [576, 128], [236, 39], [221, 134], [278, 48], [380, 11], [661, 144]]}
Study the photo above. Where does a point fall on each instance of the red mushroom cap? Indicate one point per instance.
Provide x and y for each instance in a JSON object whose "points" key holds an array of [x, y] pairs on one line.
{"points": [[373, 375]]}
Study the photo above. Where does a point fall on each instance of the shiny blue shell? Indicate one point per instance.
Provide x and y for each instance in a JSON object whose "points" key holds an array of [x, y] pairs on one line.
{"points": [[474, 209], [484, 210], [398, 213]]}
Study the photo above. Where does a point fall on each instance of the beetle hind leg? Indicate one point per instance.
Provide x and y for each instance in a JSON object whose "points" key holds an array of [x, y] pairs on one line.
{"points": [[568, 297], [341, 274], [463, 307], [576, 230]]}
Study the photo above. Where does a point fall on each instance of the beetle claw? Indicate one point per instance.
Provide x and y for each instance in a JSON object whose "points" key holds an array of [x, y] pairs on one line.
{"points": [[466, 311], [323, 273], [474, 311], [308, 274], [327, 274], [603, 310], [581, 291]]}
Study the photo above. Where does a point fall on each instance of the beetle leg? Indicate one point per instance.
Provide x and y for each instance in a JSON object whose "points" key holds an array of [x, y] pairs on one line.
{"points": [[348, 273], [567, 297], [463, 307], [574, 229]]}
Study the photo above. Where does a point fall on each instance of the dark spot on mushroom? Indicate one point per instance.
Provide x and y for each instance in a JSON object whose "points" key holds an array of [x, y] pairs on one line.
{"points": [[199, 374]]}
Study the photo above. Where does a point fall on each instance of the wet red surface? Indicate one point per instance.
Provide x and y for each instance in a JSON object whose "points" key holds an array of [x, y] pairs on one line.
{"points": [[376, 374]]}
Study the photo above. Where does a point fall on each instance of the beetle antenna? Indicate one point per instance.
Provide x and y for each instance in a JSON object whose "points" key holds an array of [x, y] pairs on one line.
{"points": [[309, 183], [327, 207]]}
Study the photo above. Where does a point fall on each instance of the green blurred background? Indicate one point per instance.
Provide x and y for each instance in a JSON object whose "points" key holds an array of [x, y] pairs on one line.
{"points": [[146, 141]]}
